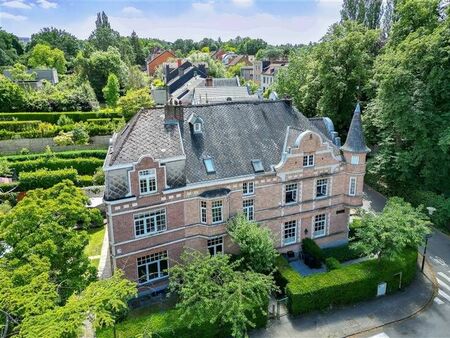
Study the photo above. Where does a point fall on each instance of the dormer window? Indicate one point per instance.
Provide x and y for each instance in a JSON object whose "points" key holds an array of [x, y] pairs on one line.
{"points": [[257, 166], [147, 181], [308, 161], [197, 127], [197, 123]]}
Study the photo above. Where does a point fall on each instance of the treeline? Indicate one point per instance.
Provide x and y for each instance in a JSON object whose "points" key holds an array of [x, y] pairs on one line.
{"points": [[394, 60]]}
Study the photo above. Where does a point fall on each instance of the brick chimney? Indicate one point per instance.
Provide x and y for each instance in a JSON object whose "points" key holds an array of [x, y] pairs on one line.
{"points": [[173, 111], [208, 82], [179, 61]]}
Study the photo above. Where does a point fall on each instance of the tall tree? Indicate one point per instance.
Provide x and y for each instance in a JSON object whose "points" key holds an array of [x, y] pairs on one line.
{"points": [[367, 12], [45, 56], [136, 45], [10, 48], [56, 38], [111, 91], [104, 36]]}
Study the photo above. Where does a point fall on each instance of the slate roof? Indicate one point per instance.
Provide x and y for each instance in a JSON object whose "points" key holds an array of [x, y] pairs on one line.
{"points": [[320, 123], [225, 82], [221, 94], [355, 138], [146, 134], [236, 133]]}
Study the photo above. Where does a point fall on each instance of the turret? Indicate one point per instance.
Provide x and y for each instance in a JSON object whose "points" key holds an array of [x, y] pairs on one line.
{"points": [[355, 142]]}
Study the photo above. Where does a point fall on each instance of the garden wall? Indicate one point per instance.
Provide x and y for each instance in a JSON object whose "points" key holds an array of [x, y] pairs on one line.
{"points": [[39, 144]]}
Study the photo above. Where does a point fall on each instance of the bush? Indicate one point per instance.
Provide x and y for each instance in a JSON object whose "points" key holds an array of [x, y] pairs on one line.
{"points": [[332, 263], [441, 216], [99, 176], [80, 136], [63, 139], [348, 284], [84, 181], [84, 166], [19, 125], [97, 153], [342, 253], [134, 100], [53, 117], [63, 120], [44, 178], [12, 96], [310, 247]]}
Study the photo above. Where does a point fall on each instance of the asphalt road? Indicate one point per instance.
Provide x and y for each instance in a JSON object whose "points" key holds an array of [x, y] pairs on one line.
{"points": [[433, 321]]}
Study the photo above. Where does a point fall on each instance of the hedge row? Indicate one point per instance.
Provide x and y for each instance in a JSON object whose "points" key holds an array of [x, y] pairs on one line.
{"points": [[52, 117], [342, 253], [15, 126], [345, 285], [44, 178], [97, 153], [84, 166]]}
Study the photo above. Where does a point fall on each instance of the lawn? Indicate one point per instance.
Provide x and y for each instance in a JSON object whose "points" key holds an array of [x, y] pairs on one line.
{"points": [[94, 247]]}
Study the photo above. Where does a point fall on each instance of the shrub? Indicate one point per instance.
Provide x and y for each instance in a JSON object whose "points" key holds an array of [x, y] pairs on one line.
{"points": [[63, 120], [441, 216], [342, 253], [24, 151], [349, 284], [63, 139], [332, 263], [99, 176], [44, 178], [80, 136], [12, 96], [97, 153], [84, 181], [134, 100], [310, 247], [84, 166], [19, 125], [53, 117]]}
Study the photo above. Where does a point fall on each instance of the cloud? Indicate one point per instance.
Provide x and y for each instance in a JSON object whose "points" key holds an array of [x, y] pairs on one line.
{"points": [[12, 17], [19, 4], [131, 11], [243, 3], [47, 4], [203, 6]]}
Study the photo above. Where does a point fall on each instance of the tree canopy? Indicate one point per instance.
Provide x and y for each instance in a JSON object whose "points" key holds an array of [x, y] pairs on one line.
{"points": [[45, 56], [56, 38]]}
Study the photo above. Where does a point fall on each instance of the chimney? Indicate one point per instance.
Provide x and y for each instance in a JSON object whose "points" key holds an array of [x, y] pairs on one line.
{"points": [[173, 111], [337, 141], [208, 82], [288, 101], [178, 62], [180, 71]]}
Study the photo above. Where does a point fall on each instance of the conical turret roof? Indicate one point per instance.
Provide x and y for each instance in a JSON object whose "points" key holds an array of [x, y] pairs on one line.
{"points": [[355, 138]]}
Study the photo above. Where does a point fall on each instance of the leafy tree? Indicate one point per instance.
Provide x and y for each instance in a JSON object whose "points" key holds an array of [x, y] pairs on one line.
{"points": [[5, 170], [19, 72], [327, 79], [111, 91], [215, 68], [256, 244], [137, 49], [103, 37], [56, 38], [367, 12], [409, 117], [252, 86], [134, 100], [45, 56], [270, 53], [136, 78], [210, 289], [234, 70], [12, 96], [399, 226], [10, 48], [251, 46], [44, 225]]}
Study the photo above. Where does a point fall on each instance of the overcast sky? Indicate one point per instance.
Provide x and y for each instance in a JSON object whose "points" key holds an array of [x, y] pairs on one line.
{"points": [[276, 21]]}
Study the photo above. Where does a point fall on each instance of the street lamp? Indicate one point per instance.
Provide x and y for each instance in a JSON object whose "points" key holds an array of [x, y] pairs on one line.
{"points": [[427, 237]]}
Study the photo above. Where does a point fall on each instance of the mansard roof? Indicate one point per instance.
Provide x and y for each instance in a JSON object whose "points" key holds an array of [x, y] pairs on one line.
{"points": [[355, 138]]}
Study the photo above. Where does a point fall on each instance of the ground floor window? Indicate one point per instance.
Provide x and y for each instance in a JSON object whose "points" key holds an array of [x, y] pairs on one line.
{"points": [[152, 267], [215, 246], [320, 222], [290, 232], [249, 209]]}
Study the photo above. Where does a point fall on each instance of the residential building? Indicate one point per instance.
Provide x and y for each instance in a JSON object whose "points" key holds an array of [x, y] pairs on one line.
{"points": [[247, 72], [268, 75], [156, 59], [176, 78], [176, 175], [247, 60], [218, 54], [258, 68], [44, 74], [204, 95]]}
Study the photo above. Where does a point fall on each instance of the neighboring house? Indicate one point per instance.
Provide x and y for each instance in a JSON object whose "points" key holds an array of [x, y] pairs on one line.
{"points": [[268, 75], [176, 175], [258, 68], [204, 95], [47, 74], [247, 60], [156, 59], [227, 57], [247, 73], [176, 78], [218, 54]]}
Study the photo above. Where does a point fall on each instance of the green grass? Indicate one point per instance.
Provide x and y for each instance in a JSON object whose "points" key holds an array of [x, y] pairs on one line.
{"points": [[94, 246]]}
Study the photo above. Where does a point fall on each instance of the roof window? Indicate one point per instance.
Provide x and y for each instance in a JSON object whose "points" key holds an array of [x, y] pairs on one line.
{"points": [[209, 165], [257, 166]]}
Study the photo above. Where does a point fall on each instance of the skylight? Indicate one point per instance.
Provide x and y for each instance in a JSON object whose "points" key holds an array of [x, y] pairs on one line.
{"points": [[209, 165], [257, 166]]}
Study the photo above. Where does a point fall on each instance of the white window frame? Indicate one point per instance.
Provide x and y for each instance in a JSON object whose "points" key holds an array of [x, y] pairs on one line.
{"points": [[352, 186], [197, 127], [292, 190], [248, 208], [219, 208], [309, 160], [214, 243], [146, 176], [203, 212], [288, 227], [320, 220], [355, 159], [326, 185], [248, 188], [146, 261], [144, 222]]}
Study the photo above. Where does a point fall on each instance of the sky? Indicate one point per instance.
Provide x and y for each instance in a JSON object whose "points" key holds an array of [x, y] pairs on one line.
{"points": [[276, 21]]}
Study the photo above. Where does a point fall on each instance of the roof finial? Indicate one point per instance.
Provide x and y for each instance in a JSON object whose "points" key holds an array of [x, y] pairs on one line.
{"points": [[357, 109]]}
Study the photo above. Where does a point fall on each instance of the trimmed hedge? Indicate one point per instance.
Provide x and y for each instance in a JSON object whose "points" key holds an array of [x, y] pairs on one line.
{"points": [[52, 117], [44, 178], [4, 187], [346, 285], [97, 153], [15, 126], [309, 246], [342, 253], [84, 181], [84, 166], [332, 263]]}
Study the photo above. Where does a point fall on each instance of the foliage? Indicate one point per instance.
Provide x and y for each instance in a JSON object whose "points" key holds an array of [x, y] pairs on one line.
{"points": [[138, 49], [342, 253], [84, 165], [136, 79], [45, 56], [409, 114], [19, 73], [44, 178], [10, 48], [158, 83], [18, 125], [367, 12], [94, 153], [134, 100], [348, 284], [103, 36], [53, 117], [57, 38], [251, 46], [252, 86], [63, 139], [270, 53], [80, 136], [63, 120], [234, 70], [328, 78], [255, 243], [332, 263], [440, 217], [5, 169], [215, 68], [309, 246], [111, 91], [12, 96], [99, 176], [210, 289], [387, 235]]}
